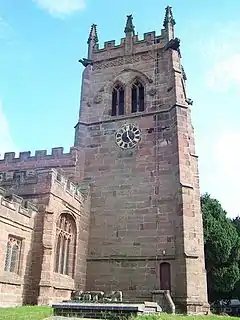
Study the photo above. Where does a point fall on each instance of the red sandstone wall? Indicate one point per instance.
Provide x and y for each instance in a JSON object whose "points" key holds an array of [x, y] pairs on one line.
{"points": [[145, 201], [63, 198], [57, 159], [54, 195], [18, 222]]}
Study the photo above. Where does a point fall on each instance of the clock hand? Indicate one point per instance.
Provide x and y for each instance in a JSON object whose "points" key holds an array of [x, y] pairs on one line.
{"points": [[130, 140]]}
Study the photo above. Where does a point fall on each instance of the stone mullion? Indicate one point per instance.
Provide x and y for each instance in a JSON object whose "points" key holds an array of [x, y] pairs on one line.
{"points": [[127, 100], [8, 257], [65, 256], [138, 99]]}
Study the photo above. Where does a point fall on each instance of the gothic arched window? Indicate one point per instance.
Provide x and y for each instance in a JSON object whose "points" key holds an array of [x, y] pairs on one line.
{"points": [[65, 245], [165, 276], [118, 100], [12, 255], [137, 96]]}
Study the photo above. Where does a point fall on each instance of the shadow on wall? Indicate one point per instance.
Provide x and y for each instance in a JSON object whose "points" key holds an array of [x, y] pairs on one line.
{"points": [[34, 260]]}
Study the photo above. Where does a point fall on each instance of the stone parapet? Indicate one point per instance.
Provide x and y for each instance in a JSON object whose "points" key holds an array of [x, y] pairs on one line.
{"points": [[40, 159], [17, 178], [17, 204]]}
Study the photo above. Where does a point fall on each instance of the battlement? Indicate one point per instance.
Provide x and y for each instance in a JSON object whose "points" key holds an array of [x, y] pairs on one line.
{"points": [[17, 203], [148, 38], [39, 154], [67, 185], [113, 50], [131, 44], [41, 159], [19, 178]]}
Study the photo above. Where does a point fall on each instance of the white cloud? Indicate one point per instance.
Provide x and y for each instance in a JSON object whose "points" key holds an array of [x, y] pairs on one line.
{"points": [[222, 52], [5, 29], [225, 73], [6, 141], [61, 8], [218, 134], [219, 170]]}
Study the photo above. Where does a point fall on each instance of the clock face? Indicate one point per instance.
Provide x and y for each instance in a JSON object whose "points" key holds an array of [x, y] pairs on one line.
{"points": [[128, 136]]}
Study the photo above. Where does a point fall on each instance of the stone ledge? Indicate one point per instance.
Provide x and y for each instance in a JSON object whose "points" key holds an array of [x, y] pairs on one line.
{"points": [[186, 185], [191, 255], [132, 258], [60, 282], [11, 278], [194, 155], [130, 116], [63, 287]]}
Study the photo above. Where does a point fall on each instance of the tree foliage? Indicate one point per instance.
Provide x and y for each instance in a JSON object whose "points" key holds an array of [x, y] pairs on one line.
{"points": [[236, 223], [222, 256]]}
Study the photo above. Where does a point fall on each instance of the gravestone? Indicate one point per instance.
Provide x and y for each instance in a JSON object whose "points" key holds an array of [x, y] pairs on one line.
{"points": [[99, 305]]}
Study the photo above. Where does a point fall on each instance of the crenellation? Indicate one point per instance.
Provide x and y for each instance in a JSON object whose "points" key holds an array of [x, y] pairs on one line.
{"points": [[2, 192], [118, 50], [16, 203], [57, 152], [34, 176], [16, 199], [9, 157], [18, 176], [27, 161], [109, 44], [26, 155], [149, 36], [71, 188], [40, 154]]}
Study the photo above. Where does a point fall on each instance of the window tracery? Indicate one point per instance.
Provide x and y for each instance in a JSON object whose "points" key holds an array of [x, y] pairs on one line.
{"points": [[137, 96], [118, 100], [12, 255], [65, 245]]}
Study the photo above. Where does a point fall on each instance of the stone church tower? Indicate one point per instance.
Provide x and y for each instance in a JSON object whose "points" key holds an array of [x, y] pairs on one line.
{"points": [[135, 129]]}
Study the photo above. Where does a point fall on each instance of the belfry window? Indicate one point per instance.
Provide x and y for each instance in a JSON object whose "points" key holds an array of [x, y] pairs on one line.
{"points": [[137, 96], [65, 245], [118, 100], [12, 255]]}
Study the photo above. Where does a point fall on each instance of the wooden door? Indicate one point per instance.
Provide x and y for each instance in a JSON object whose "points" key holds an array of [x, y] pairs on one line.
{"points": [[165, 276]]}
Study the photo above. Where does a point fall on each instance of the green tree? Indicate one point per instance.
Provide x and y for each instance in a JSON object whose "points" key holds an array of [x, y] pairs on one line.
{"points": [[236, 291], [221, 243], [236, 223]]}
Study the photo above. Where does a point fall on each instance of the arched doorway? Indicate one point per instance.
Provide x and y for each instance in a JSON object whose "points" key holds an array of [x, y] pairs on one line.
{"points": [[165, 276]]}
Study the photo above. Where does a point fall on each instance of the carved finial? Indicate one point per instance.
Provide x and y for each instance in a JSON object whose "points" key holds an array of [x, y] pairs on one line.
{"points": [[93, 37], [168, 19], [92, 41], [169, 23], [129, 25]]}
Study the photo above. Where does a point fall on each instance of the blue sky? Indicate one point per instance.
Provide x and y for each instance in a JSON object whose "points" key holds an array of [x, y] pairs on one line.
{"points": [[42, 40]]}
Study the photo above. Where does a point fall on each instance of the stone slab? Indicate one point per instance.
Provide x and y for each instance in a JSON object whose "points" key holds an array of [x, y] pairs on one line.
{"points": [[97, 310]]}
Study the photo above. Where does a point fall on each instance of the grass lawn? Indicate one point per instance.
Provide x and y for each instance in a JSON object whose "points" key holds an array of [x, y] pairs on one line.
{"points": [[40, 313], [182, 317], [25, 313]]}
